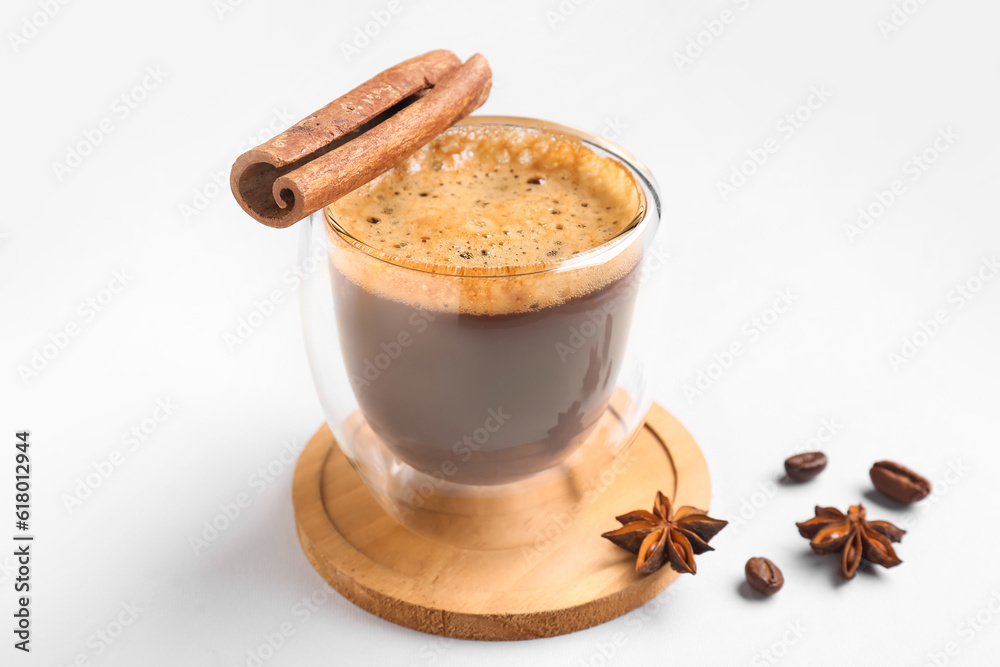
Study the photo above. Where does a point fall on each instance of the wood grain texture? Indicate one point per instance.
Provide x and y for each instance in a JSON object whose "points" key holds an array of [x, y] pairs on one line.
{"points": [[566, 579]]}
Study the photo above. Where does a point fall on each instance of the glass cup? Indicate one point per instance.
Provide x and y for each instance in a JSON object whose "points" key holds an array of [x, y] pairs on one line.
{"points": [[472, 400]]}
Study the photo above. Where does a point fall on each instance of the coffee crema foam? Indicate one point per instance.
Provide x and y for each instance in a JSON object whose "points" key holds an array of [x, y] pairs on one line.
{"points": [[480, 208]]}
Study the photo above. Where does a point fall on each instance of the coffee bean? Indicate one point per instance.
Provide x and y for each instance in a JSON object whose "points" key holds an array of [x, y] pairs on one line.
{"points": [[803, 467], [899, 483], [764, 576]]}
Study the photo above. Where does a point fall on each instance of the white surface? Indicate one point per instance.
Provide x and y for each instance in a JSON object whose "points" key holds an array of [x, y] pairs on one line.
{"points": [[607, 66]]}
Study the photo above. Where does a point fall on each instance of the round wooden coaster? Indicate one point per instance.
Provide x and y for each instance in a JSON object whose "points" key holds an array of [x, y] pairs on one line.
{"points": [[566, 578]]}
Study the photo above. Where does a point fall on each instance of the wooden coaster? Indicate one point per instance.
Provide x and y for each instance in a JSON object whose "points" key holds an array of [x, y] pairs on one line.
{"points": [[566, 578]]}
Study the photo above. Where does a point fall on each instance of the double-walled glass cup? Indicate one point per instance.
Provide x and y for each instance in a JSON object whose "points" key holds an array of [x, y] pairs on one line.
{"points": [[470, 400]]}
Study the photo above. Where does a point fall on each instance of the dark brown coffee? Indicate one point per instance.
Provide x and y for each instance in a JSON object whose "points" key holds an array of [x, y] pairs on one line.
{"points": [[464, 367]]}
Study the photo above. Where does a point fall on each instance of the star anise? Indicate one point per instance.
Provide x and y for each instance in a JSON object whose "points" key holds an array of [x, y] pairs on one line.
{"points": [[855, 537], [661, 536]]}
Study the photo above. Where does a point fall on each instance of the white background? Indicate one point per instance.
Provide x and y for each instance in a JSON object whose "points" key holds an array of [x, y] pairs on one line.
{"points": [[608, 67]]}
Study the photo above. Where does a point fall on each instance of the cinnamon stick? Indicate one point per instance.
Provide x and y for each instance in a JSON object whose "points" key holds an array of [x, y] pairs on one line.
{"points": [[357, 136]]}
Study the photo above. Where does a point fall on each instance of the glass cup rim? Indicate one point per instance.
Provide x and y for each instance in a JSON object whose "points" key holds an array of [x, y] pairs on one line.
{"points": [[597, 254]]}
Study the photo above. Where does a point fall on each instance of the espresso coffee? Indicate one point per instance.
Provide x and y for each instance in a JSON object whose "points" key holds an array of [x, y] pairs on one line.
{"points": [[478, 350]]}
